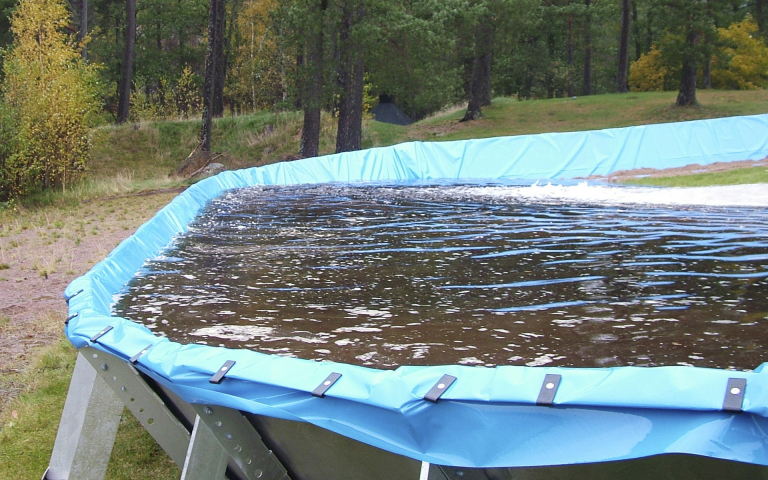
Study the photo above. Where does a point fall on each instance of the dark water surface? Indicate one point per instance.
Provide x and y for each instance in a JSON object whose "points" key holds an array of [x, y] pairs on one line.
{"points": [[388, 276]]}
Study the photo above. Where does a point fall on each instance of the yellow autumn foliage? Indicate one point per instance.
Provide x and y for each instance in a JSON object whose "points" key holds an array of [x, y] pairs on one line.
{"points": [[48, 92], [648, 73], [742, 60], [258, 74]]}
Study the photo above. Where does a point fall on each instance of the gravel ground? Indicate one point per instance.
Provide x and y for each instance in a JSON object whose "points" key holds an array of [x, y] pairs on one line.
{"points": [[42, 251]]}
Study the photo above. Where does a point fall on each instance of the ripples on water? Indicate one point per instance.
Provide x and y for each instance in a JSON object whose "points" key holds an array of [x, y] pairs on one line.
{"points": [[388, 276]]}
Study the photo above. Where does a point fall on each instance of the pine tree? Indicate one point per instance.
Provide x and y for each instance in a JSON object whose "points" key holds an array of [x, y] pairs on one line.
{"points": [[689, 35]]}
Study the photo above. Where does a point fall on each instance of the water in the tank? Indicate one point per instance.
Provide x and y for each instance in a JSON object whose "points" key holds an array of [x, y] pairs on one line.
{"points": [[398, 275]]}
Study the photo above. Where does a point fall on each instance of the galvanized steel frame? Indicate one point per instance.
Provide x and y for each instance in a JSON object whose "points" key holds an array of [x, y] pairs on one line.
{"points": [[219, 443], [222, 442]]}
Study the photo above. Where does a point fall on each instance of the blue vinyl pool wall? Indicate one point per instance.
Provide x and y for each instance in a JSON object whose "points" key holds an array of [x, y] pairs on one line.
{"points": [[489, 416]]}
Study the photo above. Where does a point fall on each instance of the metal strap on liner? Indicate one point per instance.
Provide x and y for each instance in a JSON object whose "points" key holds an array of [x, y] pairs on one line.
{"points": [[734, 394], [434, 394], [548, 389], [101, 334], [327, 383], [218, 377], [135, 358], [67, 298], [66, 322]]}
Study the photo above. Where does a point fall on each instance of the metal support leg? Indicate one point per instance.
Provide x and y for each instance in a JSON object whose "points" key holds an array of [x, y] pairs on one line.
{"points": [[206, 458], [436, 472], [87, 429], [424, 474], [242, 442], [143, 402], [103, 384]]}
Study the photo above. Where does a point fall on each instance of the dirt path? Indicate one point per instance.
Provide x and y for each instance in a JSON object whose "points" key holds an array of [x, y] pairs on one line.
{"points": [[40, 253]]}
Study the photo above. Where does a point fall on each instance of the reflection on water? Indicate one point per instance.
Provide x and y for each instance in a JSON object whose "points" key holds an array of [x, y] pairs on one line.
{"points": [[387, 276]]}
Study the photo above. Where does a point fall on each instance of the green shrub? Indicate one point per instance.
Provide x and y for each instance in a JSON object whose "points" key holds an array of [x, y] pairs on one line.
{"points": [[649, 73]]}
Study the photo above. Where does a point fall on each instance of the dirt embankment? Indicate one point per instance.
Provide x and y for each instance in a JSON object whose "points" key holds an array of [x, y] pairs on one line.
{"points": [[625, 175]]}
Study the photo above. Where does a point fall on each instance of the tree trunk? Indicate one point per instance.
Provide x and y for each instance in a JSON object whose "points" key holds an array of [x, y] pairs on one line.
{"points": [[487, 63], [485, 99], [355, 131], [687, 93], [344, 72], [312, 85], [351, 80], [83, 30], [760, 14], [210, 68], [479, 89], [587, 83], [227, 50], [622, 86], [124, 99], [649, 31], [219, 72], [636, 31], [570, 56], [708, 74]]}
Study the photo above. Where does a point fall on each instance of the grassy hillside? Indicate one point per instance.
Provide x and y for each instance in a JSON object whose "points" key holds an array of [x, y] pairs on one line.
{"points": [[507, 116], [145, 154]]}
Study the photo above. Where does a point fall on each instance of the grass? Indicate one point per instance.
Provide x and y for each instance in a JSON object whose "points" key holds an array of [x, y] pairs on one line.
{"points": [[55, 243], [143, 156], [29, 423], [508, 116], [149, 151], [732, 177], [31, 419]]}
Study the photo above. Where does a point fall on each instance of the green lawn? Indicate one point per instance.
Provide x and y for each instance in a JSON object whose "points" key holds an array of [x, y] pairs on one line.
{"points": [[30, 423], [732, 177], [508, 116]]}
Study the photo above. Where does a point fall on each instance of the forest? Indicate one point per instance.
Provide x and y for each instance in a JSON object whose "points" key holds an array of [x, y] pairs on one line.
{"points": [[70, 66]]}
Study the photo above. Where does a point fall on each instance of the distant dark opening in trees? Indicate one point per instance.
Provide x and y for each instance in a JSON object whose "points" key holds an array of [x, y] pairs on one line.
{"points": [[388, 112]]}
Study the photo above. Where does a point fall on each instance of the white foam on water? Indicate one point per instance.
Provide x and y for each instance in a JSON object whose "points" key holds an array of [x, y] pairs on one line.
{"points": [[751, 195]]}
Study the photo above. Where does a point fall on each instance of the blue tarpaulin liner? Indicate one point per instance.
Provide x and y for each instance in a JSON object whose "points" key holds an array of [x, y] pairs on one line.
{"points": [[488, 417]]}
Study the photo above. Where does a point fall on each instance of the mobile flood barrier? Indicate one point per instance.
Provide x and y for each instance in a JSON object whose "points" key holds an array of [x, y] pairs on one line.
{"points": [[245, 415]]}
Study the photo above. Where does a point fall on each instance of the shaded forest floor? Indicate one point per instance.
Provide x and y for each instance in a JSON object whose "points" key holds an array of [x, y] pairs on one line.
{"points": [[50, 240]]}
